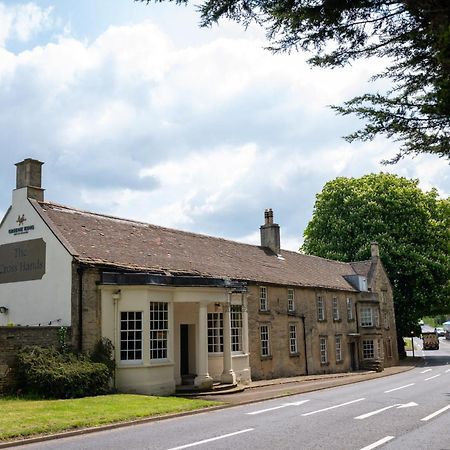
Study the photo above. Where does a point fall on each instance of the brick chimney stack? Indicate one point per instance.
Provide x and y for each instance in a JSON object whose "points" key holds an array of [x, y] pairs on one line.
{"points": [[29, 175], [270, 232]]}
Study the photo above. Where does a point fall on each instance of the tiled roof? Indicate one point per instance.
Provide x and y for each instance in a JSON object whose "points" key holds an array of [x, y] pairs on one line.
{"points": [[126, 244], [362, 267]]}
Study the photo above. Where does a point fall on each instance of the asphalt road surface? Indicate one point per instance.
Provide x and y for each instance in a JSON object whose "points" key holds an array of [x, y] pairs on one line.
{"points": [[410, 410]]}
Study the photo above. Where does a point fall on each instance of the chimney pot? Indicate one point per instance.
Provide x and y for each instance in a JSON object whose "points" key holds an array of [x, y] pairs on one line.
{"points": [[29, 175]]}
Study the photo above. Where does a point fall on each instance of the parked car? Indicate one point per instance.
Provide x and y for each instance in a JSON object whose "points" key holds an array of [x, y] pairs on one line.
{"points": [[440, 331]]}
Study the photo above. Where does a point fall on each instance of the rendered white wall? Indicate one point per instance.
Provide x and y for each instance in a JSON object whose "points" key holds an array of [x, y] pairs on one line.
{"points": [[37, 301]]}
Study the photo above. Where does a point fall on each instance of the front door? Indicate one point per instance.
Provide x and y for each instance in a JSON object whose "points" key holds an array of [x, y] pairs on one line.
{"points": [[184, 349], [353, 360]]}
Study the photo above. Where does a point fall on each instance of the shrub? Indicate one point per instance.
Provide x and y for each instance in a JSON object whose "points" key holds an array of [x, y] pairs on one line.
{"points": [[104, 353], [49, 373]]}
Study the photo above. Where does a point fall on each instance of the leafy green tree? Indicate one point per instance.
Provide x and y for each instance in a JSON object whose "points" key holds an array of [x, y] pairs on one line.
{"points": [[412, 228], [413, 36]]}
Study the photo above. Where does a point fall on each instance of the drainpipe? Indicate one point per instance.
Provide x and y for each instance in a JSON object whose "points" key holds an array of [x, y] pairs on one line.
{"points": [[116, 297], [358, 332], [304, 342], [80, 271]]}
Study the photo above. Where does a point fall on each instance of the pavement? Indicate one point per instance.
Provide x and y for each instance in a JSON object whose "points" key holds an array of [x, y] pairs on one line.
{"points": [[256, 391], [262, 390]]}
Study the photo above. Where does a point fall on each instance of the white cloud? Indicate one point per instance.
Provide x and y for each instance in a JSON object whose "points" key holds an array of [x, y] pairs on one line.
{"points": [[21, 22], [200, 137]]}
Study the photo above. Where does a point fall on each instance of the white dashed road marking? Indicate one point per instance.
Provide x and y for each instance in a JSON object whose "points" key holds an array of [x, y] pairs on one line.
{"points": [[436, 413], [435, 376], [333, 407], [205, 441], [401, 387], [378, 443], [284, 405]]}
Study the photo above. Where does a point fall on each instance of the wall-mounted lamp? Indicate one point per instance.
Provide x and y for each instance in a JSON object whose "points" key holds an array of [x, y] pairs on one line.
{"points": [[3, 310]]}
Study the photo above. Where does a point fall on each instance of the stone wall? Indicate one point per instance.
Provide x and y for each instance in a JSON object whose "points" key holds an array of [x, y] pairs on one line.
{"points": [[382, 287], [281, 363], [12, 339], [91, 308]]}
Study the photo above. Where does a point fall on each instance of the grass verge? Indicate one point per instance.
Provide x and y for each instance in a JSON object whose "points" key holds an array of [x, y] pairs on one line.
{"points": [[22, 418], [408, 345]]}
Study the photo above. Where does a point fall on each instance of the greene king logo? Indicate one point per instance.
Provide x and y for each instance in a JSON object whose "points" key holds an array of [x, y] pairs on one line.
{"points": [[21, 219], [21, 229]]}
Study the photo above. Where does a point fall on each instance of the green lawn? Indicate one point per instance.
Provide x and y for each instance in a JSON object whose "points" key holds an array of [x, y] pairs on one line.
{"points": [[23, 417]]}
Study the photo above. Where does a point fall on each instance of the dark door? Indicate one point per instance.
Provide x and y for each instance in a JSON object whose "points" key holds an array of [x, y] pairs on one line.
{"points": [[353, 355], [184, 349]]}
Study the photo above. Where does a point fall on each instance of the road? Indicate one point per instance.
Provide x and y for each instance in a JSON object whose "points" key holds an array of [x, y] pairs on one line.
{"points": [[410, 410]]}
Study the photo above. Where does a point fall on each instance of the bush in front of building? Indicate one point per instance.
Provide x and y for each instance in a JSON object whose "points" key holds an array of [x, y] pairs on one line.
{"points": [[104, 353], [47, 372]]}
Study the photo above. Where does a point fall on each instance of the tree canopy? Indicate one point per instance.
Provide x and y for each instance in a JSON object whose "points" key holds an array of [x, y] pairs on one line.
{"points": [[413, 35], [412, 228]]}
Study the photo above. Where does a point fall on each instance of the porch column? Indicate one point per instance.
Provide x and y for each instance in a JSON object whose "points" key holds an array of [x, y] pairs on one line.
{"points": [[244, 324], [228, 376], [202, 380]]}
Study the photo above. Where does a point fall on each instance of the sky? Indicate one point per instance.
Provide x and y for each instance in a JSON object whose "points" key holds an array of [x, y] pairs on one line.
{"points": [[137, 112]]}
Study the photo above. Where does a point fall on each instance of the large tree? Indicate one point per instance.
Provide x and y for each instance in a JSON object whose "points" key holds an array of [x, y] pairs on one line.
{"points": [[412, 35], [412, 228]]}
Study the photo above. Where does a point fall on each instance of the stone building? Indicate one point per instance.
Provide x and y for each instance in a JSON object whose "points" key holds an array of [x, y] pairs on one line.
{"points": [[182, 307]]}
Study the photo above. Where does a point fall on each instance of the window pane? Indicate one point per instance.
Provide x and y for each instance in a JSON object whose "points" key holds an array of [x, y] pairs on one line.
{"points": [[159, 327], [131, 335], [264, 334]]}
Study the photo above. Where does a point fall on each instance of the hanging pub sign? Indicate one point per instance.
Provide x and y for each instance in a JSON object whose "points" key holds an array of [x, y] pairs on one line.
{"points": [[22, 261]]}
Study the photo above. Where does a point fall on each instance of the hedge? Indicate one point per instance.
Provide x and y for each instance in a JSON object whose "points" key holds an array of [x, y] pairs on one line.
{"points": [[47, 372]]}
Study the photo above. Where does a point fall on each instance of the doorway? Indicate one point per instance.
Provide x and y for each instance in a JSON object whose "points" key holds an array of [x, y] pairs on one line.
{"points": [[353, 359], [184, 349]]}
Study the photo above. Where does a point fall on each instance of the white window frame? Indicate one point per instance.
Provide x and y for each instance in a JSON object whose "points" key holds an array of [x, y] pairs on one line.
{"points": [[159, 331], [236, 328], [320, 309], [368, 349], [349, 309], [131, 337], [293, 343], [323, 344], [264, 334], [291, 300], [336, 315], [215, 332], [263, 302], [367, 316], [338, 348], [376, 316]]}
